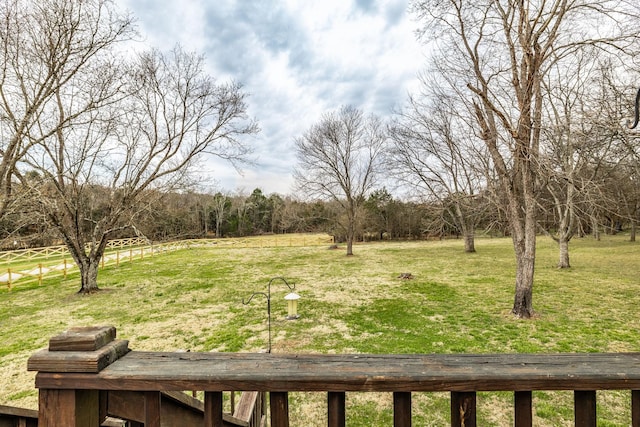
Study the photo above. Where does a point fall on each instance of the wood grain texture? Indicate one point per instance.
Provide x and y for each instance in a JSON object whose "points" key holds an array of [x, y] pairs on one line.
{"points": [[88, 338], [298, 372], [78, 361], [463, 409], [279, 406]]}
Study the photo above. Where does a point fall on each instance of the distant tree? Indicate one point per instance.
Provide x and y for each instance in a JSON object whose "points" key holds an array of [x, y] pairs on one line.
{"points": [[221, 206], [239, 221], [147, 144], [276, 205], [338, 160], [382, 211], [258, 212], [434, 155]]}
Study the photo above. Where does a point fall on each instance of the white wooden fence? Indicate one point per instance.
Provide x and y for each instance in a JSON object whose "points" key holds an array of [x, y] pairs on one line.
{"points": [[38, 263]]}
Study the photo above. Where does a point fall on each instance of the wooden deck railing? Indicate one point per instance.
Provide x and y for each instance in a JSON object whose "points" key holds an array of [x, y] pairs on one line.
{"points": [[82, 366]]}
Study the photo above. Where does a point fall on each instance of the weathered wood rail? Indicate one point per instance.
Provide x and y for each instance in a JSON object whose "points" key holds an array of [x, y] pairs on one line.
{"points": [[12, 417], [74, 384]]}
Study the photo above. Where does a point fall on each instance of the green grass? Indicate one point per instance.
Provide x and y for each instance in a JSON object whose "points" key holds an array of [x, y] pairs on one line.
{"points": [[456, 302]]}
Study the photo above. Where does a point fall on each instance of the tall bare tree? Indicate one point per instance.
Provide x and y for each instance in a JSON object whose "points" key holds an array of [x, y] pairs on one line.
{"points": [[501, 50], [172, 114], [437, 158], [582, 142], [49, 48], [338, 160]]}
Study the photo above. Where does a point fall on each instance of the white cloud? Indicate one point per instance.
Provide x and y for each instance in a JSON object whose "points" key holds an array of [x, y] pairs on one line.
{"points": [[296, 59]]}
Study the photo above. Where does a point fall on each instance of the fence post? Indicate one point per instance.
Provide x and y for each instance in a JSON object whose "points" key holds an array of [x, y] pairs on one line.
{"points": [[78, 350], [39, 274], [9, 278]]}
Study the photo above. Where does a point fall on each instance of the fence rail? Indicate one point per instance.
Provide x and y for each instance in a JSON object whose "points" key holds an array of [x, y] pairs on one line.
{"points": [[70, 383], [55, 261], [61, 250]]}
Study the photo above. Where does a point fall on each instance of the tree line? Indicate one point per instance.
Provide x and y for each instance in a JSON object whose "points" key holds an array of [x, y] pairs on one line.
{"points": [[381, 217]]}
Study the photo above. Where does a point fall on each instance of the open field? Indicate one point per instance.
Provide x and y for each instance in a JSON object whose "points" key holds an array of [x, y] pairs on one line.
{"points": [[456, 302], [19, 267]]}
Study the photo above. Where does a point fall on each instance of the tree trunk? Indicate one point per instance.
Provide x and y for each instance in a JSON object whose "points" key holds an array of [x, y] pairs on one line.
{"points": [[350, 237], [523, 300], [632, 232], [89, 276], [524, 243], [563, 245], [469, 242]]}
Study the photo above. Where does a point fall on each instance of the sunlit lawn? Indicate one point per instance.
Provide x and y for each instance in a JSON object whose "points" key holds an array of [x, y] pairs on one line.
{"points": [[456, 302]]}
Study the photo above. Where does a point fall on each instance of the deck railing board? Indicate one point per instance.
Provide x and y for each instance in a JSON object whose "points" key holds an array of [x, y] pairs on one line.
{"points": [[357, 372], [71, 398]]}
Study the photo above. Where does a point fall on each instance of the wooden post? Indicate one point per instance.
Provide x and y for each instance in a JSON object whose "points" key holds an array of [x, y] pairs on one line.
{"points": [[402, 409], [463, 409], [523, 409], [73, 408], [152, 408], [635, 408], [213, 409], [279, 405], [77, 350], [336, 408], [585, 408], [39, 274], [9, 278]]}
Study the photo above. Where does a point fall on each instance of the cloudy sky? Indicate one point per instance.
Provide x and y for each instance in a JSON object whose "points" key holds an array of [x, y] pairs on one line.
{"points": [[297, 59]]}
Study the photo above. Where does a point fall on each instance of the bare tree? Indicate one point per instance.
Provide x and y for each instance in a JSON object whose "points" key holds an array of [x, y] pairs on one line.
{"points": [[48, 48], [338, 160], [147, 144], [501, 51], [433, 154], [582, 142], [221, 205]]}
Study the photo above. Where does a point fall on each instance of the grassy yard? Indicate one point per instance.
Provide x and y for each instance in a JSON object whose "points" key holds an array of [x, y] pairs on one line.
{"points": [[456, 302]]}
